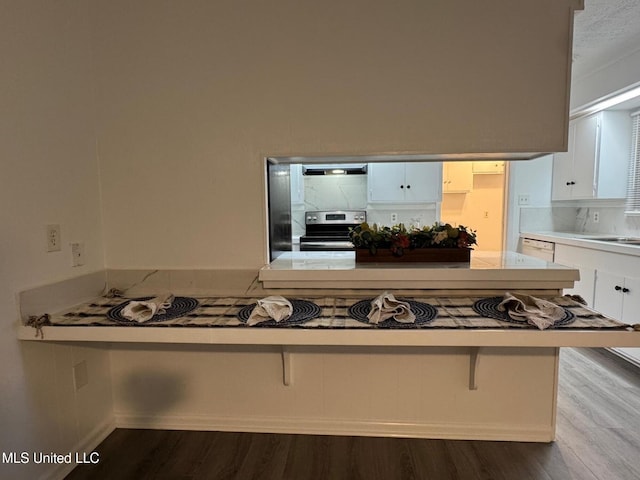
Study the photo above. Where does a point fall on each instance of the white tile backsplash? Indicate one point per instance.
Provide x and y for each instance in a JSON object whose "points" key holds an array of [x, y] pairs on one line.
{"points": [[612, 220], [580, 219], [418, 216], [538, 219], [335, 192]]}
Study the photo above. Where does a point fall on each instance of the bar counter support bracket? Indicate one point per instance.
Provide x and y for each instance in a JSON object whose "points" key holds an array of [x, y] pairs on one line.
{"points": [[287, 366], [474, 360]]}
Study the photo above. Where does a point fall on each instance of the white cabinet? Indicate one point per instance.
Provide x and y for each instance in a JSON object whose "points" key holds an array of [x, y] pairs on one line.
{"points": [[619, 297], [412, 182], [595, 165], [578, 258], [488, 167], [457, 177]]}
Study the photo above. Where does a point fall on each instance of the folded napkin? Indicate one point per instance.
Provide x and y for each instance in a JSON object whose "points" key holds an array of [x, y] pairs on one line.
{"points": [[274, 307], [386, 306], [535, 311], [144, 310]]}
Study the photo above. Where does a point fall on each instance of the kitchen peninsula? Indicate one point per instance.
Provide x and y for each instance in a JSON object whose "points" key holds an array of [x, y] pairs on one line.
{"points": [[493, 382], [487, 270]]}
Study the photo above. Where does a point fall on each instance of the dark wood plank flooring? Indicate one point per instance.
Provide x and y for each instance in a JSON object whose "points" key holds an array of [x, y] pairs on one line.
{"points": [[598, 438]]}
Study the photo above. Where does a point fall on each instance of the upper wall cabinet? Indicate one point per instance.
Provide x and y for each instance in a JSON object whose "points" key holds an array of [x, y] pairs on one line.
{"points": [[414, 182], [457, 177], [597, 160], [491, 168]]}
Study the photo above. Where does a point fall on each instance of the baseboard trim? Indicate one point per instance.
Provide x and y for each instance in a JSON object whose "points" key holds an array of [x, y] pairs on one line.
{"points": [[519, 433], [86, 444]]}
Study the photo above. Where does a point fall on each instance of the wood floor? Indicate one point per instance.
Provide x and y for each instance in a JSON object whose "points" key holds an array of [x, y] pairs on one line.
{"points": [[598, 437]]}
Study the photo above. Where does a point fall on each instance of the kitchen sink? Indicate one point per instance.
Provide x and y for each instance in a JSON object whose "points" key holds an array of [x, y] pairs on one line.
{"points": [[621, 240]]}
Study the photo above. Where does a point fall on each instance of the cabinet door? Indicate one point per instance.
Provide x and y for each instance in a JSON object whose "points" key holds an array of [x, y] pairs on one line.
{"points": [[585, 286], [488, 167], [614, 152], [585, 157], [563, 169], [608, 294], [423, 182], [457, 177], [631, 314], [631, 301], [386, 182]]}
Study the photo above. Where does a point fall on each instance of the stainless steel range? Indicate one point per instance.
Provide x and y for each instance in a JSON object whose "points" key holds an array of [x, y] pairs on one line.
{"points": [[329, 230]]}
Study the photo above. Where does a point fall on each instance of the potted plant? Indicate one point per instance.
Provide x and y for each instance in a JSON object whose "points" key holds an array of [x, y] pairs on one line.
{"points": [[440, 242]]}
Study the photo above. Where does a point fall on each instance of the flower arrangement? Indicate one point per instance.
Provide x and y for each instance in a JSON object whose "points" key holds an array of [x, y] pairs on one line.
{"points": [[398, 238]]}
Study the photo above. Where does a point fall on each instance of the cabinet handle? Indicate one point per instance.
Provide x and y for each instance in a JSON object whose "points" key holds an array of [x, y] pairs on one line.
{"points": [[618, 288], [401, 186], [568, 183], [573, 183], [625, 290], [408, 186]]}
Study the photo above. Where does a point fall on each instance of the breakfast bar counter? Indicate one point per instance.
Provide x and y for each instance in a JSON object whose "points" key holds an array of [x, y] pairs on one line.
{"points": [[487, 270], [459, 376]]}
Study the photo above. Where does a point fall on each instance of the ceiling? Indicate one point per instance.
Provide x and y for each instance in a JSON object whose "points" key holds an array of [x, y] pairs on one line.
{"points": [[605, 31]]}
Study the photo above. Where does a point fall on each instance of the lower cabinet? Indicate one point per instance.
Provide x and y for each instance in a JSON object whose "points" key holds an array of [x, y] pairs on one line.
{"points": [[618, 296], [576, 258]]}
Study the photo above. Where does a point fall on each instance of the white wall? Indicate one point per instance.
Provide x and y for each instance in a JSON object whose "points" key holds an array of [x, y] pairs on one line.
{"points": [[48, 174], [587, 89], [532, 178], [192, 96]]}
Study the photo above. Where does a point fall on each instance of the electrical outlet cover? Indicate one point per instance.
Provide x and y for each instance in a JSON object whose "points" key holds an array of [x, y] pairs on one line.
{"points": [[523, 199], [53, 238], [77, 254], [80, 375]]}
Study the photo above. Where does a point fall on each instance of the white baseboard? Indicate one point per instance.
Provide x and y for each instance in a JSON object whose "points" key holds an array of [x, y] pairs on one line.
{"points": [[520, 433], [624, 355], [86, 444]]}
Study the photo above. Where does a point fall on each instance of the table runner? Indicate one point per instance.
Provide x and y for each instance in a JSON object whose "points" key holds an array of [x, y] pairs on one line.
{"points": [[220, 312]]}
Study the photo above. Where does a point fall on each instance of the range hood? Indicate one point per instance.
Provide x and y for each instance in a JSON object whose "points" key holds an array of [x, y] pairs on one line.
{"points": [[335, 169]]}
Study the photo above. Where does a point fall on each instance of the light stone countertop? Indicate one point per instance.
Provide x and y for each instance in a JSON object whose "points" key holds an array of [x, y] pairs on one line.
{"points": [[585, 240], [500, 270]]}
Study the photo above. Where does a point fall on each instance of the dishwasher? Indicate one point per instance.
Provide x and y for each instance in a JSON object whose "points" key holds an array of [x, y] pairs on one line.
{"points": [[538, 249]]}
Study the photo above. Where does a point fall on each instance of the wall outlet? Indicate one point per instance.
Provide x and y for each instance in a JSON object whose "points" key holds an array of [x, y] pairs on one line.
{"points": [[53, 238], [394, 218], [523, 199], [77, 254], [80, 375], [596, 217]]}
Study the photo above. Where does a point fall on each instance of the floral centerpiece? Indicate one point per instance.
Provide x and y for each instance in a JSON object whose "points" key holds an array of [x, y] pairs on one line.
{"points": [[440, 242]]}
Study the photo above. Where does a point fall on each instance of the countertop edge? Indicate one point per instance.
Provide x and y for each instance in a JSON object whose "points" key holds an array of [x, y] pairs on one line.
{"points": [[329, 338], [582, 240]]}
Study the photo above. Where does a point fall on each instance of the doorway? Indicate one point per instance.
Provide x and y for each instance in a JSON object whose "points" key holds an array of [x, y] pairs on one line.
{"points": [[473, 195]]}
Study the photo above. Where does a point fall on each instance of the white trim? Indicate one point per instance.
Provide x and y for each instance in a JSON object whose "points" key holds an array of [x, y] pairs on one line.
{"points": [[339, 338], [310, 426], [87, 444]]}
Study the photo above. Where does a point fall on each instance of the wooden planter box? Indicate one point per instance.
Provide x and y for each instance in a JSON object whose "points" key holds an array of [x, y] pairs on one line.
{"points": [[417, 255]]}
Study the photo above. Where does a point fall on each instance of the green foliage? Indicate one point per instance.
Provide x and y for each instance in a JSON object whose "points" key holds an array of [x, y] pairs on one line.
{"points": [[398, 238]]}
